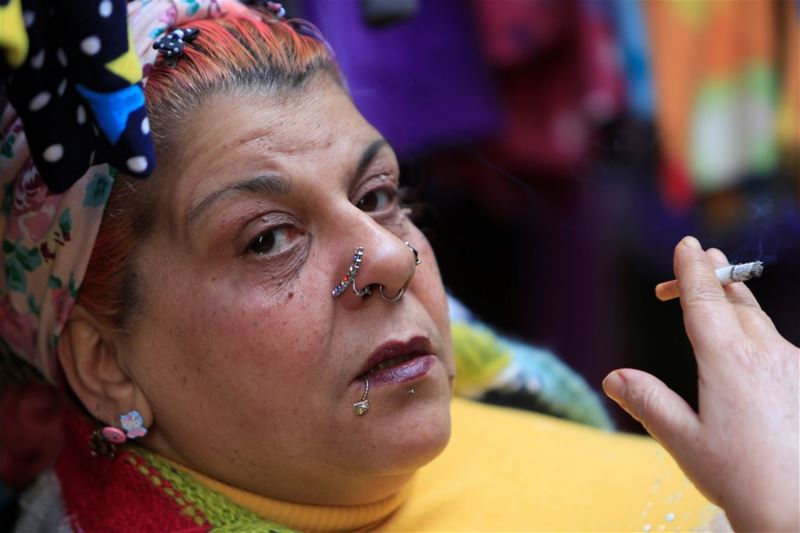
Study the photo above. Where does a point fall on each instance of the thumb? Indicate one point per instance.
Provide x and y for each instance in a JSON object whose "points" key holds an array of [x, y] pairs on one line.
{"points": [[662, 412]]}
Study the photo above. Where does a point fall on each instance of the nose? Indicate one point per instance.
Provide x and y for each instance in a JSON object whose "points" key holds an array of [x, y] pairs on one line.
{"points": [[380, 262]]}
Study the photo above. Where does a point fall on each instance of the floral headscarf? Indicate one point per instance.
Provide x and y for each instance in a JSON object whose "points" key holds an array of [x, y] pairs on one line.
{"points": [[50, 214]]}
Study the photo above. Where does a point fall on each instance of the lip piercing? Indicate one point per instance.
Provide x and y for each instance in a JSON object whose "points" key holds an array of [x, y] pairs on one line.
{"points": [[411, 391], [361, 408], [350, 277]]}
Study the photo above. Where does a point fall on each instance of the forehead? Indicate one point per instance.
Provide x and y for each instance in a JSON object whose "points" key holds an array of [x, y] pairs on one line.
{"points": [[235, 134]]}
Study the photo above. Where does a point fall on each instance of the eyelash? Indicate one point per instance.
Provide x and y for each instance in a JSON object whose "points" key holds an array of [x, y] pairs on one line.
{"points": [[388, 204], [388, 187], [392, 207], [256, 241]]}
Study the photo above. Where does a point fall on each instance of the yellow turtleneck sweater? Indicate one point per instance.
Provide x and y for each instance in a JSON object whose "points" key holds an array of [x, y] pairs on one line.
{"points": [[509, 470]]}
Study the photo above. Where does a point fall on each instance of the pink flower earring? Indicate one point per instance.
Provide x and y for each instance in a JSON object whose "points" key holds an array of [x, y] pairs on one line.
{"points": [[133, 424], [104, 440]]}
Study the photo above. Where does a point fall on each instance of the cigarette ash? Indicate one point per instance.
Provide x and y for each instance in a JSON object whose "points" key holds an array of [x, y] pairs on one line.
{"points": [[746, 271]]}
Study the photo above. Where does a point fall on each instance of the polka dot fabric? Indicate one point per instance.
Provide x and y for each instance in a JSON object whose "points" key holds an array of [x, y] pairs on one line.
{"points": [[76, 119], [78, 91]]}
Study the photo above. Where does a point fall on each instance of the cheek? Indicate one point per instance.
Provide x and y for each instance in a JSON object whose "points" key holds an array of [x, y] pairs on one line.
{"points": [[271, 339], [217, 334], [428, 288]]}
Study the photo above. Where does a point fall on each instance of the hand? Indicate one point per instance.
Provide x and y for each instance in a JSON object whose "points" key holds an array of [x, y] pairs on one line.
{"points": [[741, 448]]}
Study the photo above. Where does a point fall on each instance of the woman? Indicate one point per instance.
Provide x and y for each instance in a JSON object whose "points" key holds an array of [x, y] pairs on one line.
{"points": [[269, 392]]}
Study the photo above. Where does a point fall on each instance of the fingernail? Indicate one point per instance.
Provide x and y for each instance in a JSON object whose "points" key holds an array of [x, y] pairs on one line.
{"points": [[614, 387], [691, 242]]}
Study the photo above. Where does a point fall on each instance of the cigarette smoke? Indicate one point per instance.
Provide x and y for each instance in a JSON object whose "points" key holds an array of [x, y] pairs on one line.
{"points": [[771, 232]]}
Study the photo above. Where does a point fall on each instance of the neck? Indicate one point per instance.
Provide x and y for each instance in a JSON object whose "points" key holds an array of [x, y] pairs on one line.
{"points": [[334, 516], [310, 487]]}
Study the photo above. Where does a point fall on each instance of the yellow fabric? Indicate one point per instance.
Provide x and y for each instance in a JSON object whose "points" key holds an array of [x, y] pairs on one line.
{"points": [[307, 518], [509, 470], [13, 38], [127, 65]]}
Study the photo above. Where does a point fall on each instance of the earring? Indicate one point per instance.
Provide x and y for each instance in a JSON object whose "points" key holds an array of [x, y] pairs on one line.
{"points": [[133, 424], [104, 442], [105, 439]]}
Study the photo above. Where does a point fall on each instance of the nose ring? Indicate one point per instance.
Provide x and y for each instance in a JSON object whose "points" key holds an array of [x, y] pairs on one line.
{"points": [[393, 298], [417, 260], [350, 277]]}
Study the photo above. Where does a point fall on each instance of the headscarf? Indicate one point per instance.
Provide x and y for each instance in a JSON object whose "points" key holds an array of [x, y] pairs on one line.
{"points": [[81, 74]]}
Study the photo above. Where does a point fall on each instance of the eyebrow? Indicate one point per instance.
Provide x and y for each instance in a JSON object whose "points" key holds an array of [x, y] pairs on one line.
{"points": [[261, 184], [271, 184], [368, 155]]}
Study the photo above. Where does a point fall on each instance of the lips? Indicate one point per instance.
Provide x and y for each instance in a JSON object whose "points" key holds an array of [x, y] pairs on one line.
{"points": [[397, 361]]}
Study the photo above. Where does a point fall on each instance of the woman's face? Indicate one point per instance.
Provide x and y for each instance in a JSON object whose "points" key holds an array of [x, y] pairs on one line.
{"points": [[250, 366]]}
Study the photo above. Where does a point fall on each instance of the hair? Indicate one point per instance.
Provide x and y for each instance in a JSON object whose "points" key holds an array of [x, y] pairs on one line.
{"points": [[232, 53]]}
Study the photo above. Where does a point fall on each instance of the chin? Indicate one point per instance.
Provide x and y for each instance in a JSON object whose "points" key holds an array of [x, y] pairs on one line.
{"points": [[411, 438]]}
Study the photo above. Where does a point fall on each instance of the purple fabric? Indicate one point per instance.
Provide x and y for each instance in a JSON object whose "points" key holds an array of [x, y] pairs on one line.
{"points": [[421, 82]]}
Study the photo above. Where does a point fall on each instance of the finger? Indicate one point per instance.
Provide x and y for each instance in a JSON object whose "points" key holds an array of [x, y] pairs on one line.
{"points": [[738, 293], [667, 290], [710, 320], [752, 318], [664, 414]]}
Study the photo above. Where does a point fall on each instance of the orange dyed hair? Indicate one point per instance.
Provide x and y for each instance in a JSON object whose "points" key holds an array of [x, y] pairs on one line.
{"points": [[230, 53]]}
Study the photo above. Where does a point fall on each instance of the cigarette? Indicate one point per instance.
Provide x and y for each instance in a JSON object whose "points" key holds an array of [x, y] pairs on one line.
{"points": [[726, 275]]}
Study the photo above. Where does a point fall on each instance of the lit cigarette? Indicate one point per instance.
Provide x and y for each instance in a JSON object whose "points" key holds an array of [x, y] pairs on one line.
{"points": [[726, 275]]}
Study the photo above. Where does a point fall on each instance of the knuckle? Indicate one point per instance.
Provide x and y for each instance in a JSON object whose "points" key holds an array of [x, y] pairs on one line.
{"points": [[705, 290], [743, 301], [643, 401]]}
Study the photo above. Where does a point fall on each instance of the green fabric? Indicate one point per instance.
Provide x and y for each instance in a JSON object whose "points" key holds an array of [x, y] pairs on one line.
{"points": [[224, 515]]}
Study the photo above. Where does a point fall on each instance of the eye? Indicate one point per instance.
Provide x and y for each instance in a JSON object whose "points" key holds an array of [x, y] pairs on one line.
{"points": [[272, 241], [377, 200]]}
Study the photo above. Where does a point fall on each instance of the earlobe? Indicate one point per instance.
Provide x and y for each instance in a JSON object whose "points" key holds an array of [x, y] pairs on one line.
{"points": [[88, 355]]}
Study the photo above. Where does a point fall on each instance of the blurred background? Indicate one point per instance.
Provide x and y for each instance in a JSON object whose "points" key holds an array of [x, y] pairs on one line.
{"points": [[559, 149]]}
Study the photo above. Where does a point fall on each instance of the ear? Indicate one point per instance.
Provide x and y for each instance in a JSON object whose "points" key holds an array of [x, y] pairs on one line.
{"points": [[90, 357]]}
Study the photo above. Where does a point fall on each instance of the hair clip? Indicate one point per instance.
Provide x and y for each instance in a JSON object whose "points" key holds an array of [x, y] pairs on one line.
{"points": [[171, 44], [276, 9]]}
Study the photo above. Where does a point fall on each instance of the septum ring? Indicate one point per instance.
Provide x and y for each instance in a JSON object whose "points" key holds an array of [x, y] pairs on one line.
{"points": [[393, 298]]}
